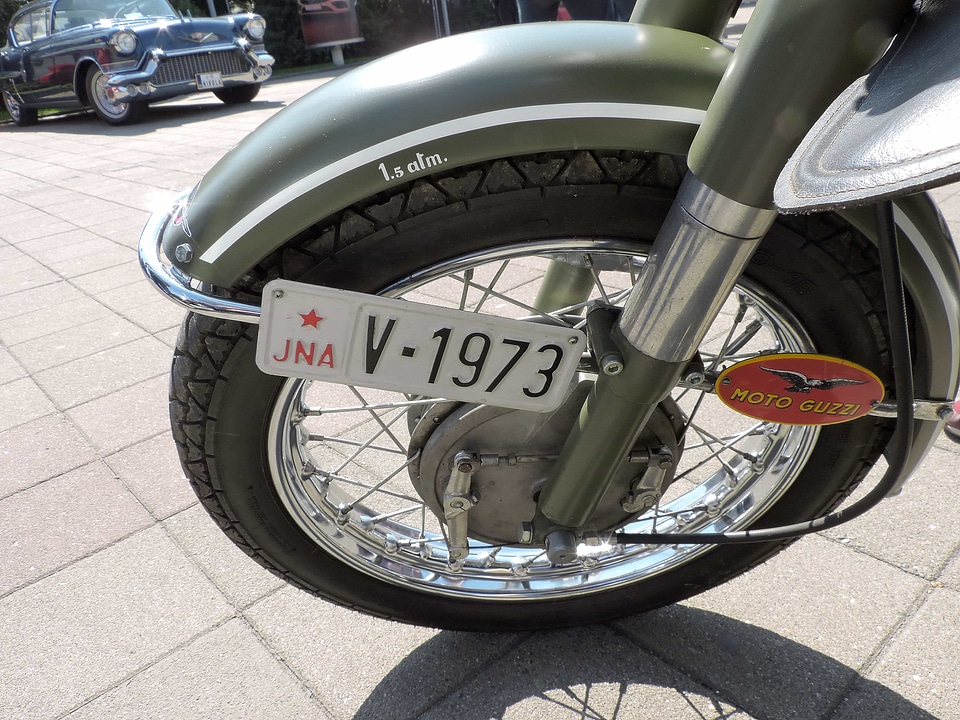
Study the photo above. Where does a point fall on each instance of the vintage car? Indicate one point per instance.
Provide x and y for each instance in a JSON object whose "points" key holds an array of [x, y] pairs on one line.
{"points": [[117, 56]]}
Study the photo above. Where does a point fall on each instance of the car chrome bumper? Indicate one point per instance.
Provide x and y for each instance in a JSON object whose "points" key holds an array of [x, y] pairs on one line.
{"points": [[180, 288], [141, 85]]}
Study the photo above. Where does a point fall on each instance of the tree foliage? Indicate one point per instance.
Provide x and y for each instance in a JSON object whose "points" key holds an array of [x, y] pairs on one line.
{"points": [[7, 10]]}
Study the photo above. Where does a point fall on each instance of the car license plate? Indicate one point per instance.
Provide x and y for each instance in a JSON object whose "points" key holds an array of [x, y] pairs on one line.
{"points": [[209, 81], [346, 337]]}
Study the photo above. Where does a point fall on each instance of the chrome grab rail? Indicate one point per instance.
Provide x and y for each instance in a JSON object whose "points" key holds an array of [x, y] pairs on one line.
{"points": [[178, 287]]}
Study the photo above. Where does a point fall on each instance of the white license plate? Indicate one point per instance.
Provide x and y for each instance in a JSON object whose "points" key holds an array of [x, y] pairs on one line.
{"points": [[209, 81], [366, 340]]}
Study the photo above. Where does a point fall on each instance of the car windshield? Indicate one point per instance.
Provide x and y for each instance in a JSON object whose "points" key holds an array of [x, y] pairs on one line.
{"points": [[73, 13]]}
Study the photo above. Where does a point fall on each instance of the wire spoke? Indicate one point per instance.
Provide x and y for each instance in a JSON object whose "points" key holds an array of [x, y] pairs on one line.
{"points": [[384, 430], [520, 304], [741, 312], [383, 482], [354, 443], [467, 278], [317, 412], [490, 286], [726, 446], [379, 420], [344, 480], [596, 279]]}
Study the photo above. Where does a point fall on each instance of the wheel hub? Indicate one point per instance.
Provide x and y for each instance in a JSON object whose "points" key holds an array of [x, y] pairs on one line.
{"points": [[517, 450]]}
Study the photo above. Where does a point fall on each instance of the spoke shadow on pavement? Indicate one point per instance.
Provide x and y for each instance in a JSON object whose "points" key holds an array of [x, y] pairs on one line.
{"points": [[678, 662]]}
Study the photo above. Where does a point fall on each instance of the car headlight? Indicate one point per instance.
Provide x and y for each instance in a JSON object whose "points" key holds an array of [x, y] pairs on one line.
{"points": [[255, 28], [125, 42]]}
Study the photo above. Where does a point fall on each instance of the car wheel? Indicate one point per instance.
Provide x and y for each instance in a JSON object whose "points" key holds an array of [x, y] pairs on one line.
{"points": [[20, 115], [115, 113], [238, 94]]}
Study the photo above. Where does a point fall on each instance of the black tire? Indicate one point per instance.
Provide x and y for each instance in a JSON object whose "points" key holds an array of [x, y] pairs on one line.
{"points": [[21, 116], [238, 93], [129, 113], [817, 274]]}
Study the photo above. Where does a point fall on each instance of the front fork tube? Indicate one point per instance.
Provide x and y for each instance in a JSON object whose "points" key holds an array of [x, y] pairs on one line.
{"points": [[702, 248]]}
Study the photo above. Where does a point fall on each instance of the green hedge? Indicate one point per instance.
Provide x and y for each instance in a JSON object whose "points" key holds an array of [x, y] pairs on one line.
{"points": [[7, 9]]}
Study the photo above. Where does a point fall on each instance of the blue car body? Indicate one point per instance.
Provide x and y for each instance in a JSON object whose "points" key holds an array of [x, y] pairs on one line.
{"points": [[117, 56]]}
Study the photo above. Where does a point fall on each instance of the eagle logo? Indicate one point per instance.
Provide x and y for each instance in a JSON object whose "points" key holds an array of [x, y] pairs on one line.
{"points": [[180, 212], [800, 383]]}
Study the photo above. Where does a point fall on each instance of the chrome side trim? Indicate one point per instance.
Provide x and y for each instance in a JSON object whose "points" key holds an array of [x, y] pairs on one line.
{"points": [[177, 287]]}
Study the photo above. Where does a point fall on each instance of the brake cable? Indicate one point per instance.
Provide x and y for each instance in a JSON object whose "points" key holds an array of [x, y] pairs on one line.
{"points": [[899, 446]]}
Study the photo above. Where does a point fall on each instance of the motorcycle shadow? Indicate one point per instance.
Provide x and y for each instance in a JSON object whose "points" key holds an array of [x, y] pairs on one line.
{"points": [[679, 662]]}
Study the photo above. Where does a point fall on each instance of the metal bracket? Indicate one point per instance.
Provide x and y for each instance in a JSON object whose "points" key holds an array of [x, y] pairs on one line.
{"points": [[457, 501], [646, 491], [935, 410]]}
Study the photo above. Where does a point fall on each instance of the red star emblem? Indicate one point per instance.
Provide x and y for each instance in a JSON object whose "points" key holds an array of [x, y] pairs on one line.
{"points": [[311, 318]]}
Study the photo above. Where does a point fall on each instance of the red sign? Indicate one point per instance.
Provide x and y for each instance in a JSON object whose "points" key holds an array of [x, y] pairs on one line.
{"points": [[799, 389]]}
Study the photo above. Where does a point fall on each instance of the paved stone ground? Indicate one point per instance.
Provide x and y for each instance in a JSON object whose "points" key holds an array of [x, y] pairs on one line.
{"points": [[119, 597]]}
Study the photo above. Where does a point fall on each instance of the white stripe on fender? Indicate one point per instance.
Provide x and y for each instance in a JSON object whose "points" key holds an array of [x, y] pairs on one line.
{"points": [[563, 111]]}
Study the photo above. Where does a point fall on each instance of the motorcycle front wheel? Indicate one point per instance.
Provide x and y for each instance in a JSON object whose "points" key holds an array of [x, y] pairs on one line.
{"points": [[319, 483]]}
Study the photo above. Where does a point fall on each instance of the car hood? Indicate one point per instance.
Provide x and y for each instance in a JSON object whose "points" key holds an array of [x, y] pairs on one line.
{"points": [[187, 34]]}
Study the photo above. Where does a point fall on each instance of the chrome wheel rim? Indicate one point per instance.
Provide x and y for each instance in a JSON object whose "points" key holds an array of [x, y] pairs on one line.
{"points": [[102, 99], [13, 107], [338, 458]]}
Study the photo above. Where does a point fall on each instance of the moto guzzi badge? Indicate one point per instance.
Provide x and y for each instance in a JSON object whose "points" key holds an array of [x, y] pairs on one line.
{"points": [[799, 389]]}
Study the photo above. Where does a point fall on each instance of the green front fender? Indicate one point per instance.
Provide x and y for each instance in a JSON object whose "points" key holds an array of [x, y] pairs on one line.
{"points": [[473, 97]]}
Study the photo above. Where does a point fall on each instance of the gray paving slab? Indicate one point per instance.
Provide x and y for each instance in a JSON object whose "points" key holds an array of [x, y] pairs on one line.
{"points": [[10, 368], [19, 229], [168, 336], [23, 401], [38, 301], [111, 278], [20, 272], [124, 227], [151, 471], [83, 257], [75, 635], [921, 662], [344, 657], [116, 421], [152, 317], [91, 377], [80, 340], [912, 530], [54, 523], [138, 302], [950, 576], [39, 450], [242, 581], [226, 673], [120, 598]]}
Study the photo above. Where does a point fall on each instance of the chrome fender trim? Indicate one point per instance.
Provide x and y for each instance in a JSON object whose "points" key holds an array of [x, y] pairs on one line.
{"points": [[179, 288]]}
